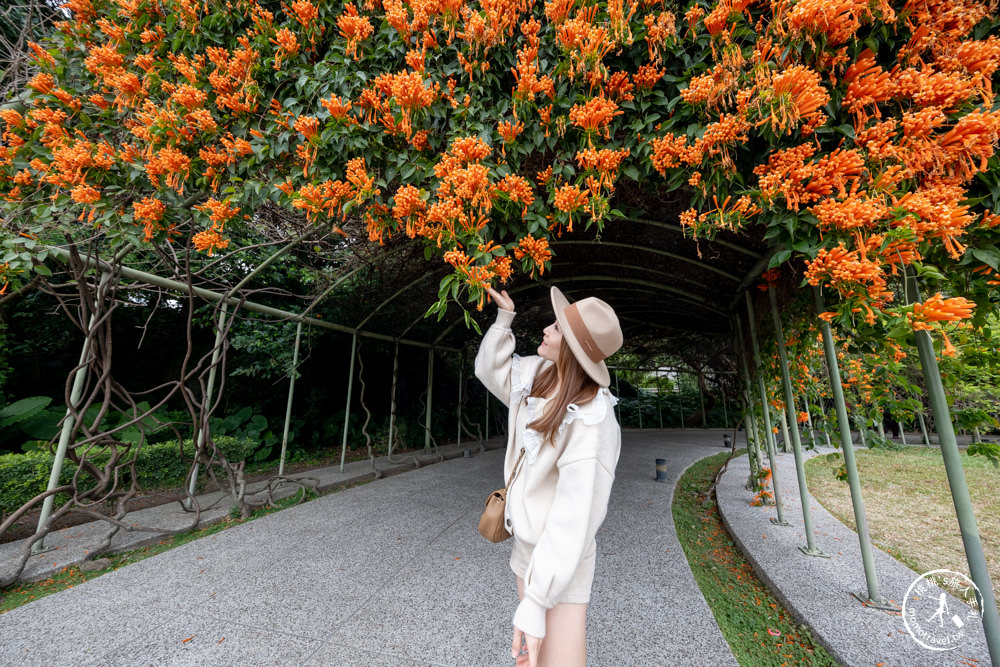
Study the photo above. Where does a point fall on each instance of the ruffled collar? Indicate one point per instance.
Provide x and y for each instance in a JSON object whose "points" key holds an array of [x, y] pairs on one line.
{"points": [[592, 412]]}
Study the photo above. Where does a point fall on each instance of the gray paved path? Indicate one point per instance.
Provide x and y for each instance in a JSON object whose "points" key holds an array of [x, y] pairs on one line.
{"points": [[818, 591], [389, 573]]}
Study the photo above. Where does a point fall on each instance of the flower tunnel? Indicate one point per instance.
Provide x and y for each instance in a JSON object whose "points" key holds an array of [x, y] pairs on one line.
{"points": [[786, 203]]}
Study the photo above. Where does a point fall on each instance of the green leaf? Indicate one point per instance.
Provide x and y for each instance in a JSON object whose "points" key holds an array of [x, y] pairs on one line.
{"points": [[779, 258], [988, 255]]}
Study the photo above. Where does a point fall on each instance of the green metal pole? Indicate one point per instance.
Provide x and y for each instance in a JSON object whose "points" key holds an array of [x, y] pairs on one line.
{"points": [[216, 353], [765, 409], [291, 393], [347, 405], [809, 420], [430, 399], [638, 393], [747, 396], [67, 430], [725, 412], [618, 393], [701, 395], [680, 401], [392, 399], [659, 402], [959, 487], [960, 492], [785, 437], [857, 499], [800, 472], [461, 369], [923, 429]]}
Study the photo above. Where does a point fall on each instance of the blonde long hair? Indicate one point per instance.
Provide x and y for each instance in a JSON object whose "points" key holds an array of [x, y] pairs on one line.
{"points": [[575, 386]]}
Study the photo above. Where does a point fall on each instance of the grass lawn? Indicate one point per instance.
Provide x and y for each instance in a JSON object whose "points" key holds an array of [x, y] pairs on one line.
{"points": [[759, 630], [909, 507]]}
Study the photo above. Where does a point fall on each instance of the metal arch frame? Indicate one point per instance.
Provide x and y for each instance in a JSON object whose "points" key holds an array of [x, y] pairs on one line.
{"points": [[678, 228], [645, 283], [635, 267], [534, 285], [631, 246], [388, 299]]}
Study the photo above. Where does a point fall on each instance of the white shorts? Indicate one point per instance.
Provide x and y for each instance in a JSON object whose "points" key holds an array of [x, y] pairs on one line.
{"points": [[578, 590]]}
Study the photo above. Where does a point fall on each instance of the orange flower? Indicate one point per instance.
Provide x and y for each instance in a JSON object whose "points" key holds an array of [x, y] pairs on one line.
{"points": [[409, 206], [336, 108], [569, 198], [288, 46], [305, 12], [594, 116], [307, 126], [799, 97], [939, 309], [509, 131], [210, 240], [219, 212], [353, 28], [85, 194], [535, 249], [518, 189], [500, 266]]}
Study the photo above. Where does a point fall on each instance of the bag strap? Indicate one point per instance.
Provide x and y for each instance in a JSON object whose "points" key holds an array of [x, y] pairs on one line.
{"points": [[513, 474]]}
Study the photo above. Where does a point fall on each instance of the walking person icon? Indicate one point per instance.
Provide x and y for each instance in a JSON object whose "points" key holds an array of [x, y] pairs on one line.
{"points": [[941, 610]]}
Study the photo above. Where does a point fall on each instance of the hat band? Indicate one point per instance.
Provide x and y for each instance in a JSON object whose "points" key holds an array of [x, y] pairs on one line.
{"points": [[582, 334]]}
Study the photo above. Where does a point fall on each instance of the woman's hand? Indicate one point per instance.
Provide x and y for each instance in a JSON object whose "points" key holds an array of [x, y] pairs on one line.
{"points": [[501, 299], [532, 645]]}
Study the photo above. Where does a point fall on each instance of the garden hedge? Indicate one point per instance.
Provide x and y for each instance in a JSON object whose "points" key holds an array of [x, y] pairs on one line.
{"points": [[160, 465]]}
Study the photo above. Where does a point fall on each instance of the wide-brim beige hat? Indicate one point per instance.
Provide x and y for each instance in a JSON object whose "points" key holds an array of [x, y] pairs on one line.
{"points": [[591, 329]]}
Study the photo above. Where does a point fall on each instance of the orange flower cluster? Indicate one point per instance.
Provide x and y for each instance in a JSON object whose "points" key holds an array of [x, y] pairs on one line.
{"points": [[939, 309], [219, 212], [844, 270], [328, 197], [171, 163], [210, 240], [605, 162], [935, 211], [149, 212], [569, 199], [509, 131], [659, 30], [536, 250], [409, 208], [594, 116], [835, 20], [354, 28], [586, 44], [856, 211], [801, 183], [288, 46], [518, 189], [798, 98]]}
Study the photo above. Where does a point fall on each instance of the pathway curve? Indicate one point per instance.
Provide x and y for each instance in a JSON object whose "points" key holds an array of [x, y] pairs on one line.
{"points": [[389, 573], [821, 591]]}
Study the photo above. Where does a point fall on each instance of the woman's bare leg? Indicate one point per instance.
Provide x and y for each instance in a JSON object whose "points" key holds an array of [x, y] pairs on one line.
{"points": [[565, 643]]}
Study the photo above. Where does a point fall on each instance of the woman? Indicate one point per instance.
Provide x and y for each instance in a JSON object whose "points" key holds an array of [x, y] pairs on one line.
{"points": [[564, 441]]}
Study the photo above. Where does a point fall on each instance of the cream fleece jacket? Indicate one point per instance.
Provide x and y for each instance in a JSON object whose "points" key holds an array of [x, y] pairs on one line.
{"points": [[560, 497]]}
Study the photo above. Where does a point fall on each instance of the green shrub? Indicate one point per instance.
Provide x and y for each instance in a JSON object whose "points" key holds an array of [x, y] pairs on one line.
{"points": [[159, 465], [24, 476]]}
